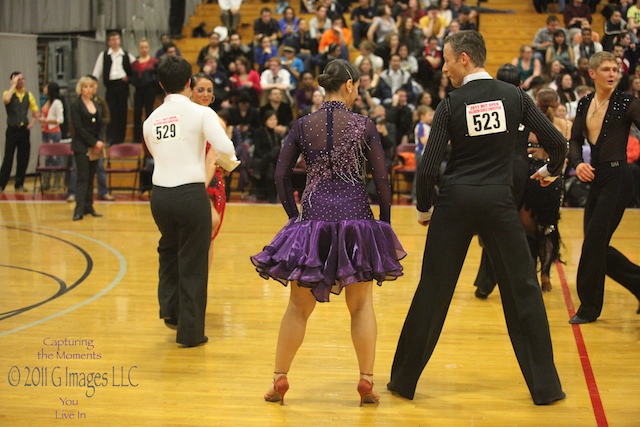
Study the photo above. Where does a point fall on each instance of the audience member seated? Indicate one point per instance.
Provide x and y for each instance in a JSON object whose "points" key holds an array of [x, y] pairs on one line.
{"points": [[221, 83], [367, 92], [333, 51], [382, 25], [282, 109], [465, 21], [246, 80], [407, 62], [561, 51], [577, 37], [529, 66], [165, 40], [566, 92], [244, 119], [551, 72], [264, 53], [288, 23], [233, 51], [306, 47], [319, 23], [408, 35], [426, 99], [361, 19], [214, 49], [612, 28], [581, 75], [265, 25], [275, 77], [574, 13], [388, 133], [393, 79], [400, 113], [293, 65], [440, 87], [304, 93], [414, 12], [432, 24], [366, 68], [444, 10], [544, 38], [633, 18], [316, 102], [339, 35], [587, 47], [366, 52], [388, 48], [267, 143]]}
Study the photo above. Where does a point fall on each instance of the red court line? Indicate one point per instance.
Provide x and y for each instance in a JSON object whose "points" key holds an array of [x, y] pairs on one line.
{"points": [[596, 402]]}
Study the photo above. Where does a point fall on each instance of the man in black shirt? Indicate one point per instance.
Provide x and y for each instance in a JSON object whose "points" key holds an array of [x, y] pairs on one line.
{"points": [[480, 119], [604, 118], [265, 26]]}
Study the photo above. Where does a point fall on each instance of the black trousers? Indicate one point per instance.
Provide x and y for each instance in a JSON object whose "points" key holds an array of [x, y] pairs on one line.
{"points": [[144, 97], [117, 96], [461, 212], [176, 16], [17, 138], [486, 278], [84, 183], [183, 216], [609, 195]]}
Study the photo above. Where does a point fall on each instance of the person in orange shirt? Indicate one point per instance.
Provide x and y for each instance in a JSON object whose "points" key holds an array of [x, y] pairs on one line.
{"points": [[337, 34]]}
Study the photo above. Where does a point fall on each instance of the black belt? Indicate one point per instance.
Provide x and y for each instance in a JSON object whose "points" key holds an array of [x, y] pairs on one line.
{"points": [[17, 127]]}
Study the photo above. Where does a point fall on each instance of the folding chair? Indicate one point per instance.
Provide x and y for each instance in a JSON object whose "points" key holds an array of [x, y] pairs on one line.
{"points": [[405, 170], [60, 150], [124, 159]]}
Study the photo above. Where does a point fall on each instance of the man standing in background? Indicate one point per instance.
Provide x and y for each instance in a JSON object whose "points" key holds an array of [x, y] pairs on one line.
{"points": [[18, 101], [114, 66]]}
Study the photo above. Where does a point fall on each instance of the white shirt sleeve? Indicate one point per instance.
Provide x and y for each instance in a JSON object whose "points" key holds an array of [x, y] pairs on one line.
{"points": [[97, 69], [219, 141]]}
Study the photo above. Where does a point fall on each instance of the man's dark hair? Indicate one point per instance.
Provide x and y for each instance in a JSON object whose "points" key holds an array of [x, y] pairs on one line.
{"points": [[552, 18], [112, 33], [174, 72], [264, 9], [469, 42], [15, 73], [509, 73]]}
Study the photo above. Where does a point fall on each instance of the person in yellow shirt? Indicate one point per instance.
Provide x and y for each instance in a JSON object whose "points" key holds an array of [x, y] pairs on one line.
{"points": [[18, 101], [432, 24]]}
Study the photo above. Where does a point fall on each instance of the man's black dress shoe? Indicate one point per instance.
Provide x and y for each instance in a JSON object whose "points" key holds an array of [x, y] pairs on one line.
{"points": [[94, 214], [171, 324], [577, 320], [205, 340], [77, 217], [482, 293]]}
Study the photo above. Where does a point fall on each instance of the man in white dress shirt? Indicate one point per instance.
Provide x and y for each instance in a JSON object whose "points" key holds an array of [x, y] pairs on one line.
{"points": [[114, 66], [176, 134]]}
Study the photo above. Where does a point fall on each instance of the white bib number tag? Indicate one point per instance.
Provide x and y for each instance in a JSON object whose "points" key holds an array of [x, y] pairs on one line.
{"points": [[166, 129], [486, 118]]}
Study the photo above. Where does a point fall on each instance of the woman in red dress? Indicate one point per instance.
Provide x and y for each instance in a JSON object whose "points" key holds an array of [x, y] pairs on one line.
{"points": [[202, 93]]}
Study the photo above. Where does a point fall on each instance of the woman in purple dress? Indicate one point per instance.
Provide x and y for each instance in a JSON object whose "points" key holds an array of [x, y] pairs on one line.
{"points": [[334, 242]]}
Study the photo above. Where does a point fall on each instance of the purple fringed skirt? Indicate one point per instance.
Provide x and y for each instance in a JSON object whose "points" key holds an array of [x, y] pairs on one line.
{"points": [[326, 256]]}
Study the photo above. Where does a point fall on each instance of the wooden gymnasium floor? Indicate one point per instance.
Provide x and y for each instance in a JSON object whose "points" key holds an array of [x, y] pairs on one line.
{"points": [[80, 298]]}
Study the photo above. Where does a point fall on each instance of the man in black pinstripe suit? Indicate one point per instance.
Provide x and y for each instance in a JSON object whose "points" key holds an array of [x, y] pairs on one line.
{"points": [[480, 119]]}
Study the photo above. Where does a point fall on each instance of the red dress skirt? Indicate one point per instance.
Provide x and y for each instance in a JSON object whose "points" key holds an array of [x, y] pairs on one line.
{"points": [[217, 194]]}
